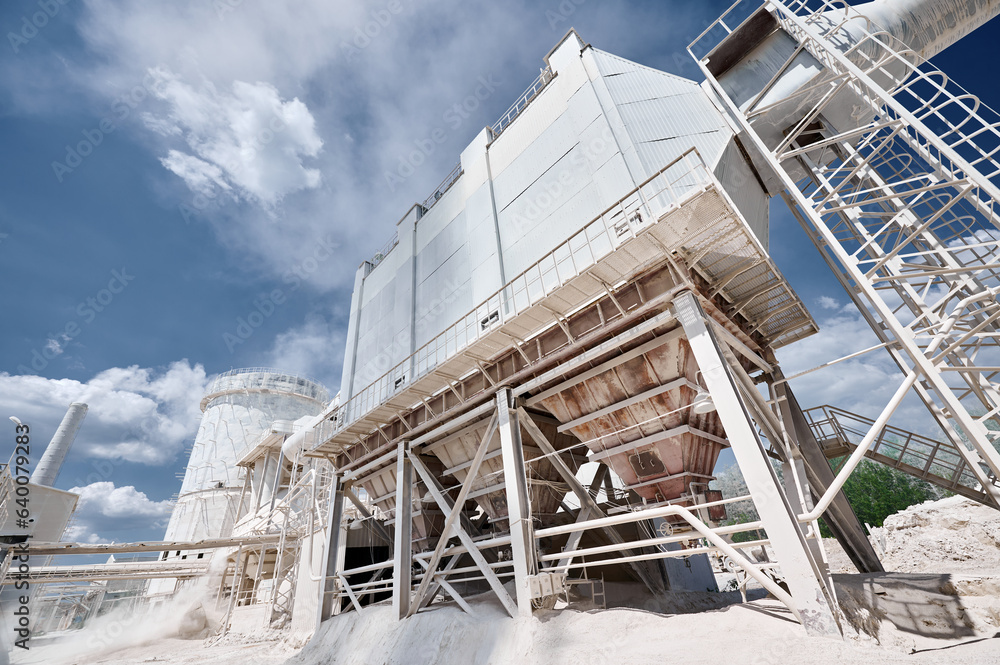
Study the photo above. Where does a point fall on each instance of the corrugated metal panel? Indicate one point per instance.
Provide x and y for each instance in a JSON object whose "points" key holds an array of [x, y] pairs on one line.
{"points": [[630, 82], [437, 249], [670, 117], [534, 160], [663, 115], [383, 274], [444, 212], [446, 297], [654, 154]]}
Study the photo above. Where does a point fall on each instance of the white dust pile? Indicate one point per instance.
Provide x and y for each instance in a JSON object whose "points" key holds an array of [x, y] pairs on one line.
{"points": [[954, 535]]}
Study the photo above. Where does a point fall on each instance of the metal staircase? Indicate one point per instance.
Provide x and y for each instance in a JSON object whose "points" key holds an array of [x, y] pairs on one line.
{"points": [[893, 172], [839, 432]]}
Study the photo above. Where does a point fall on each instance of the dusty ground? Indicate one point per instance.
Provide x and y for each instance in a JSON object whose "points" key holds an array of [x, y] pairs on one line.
{"points": [[953, 536], [942, 606]]}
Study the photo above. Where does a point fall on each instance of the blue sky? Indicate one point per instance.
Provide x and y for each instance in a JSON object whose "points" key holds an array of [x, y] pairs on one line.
{"points": [[167, 164]]}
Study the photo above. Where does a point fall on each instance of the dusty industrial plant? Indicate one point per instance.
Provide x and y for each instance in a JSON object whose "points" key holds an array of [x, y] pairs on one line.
{"points": [[545, 362]]}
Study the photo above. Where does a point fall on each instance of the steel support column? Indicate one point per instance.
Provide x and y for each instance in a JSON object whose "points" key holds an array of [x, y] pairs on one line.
{"points": [[522, 539], [649, 574], [328, 606], [804, 579], [840, 517], [402, 559]]}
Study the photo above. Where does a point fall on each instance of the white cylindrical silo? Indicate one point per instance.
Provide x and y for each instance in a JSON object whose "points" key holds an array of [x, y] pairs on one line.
{"points": [[47, 470], [239, 408]]}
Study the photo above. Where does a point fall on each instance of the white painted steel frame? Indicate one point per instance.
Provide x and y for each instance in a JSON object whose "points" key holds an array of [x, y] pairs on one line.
{"points": [[964, 320], [813, 601]]}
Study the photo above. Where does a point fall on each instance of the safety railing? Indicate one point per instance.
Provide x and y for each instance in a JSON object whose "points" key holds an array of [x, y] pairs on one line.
{"points": [[528, 96], [268, 378], [938, 462], [445, 185], [602, 236], [380, 255]]}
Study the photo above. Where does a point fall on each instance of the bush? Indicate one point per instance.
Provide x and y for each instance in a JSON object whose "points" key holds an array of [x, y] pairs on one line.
{"points": [[876, 491]]}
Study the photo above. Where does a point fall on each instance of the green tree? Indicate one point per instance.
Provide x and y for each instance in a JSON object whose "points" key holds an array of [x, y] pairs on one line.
{"points": [[876, 491]]}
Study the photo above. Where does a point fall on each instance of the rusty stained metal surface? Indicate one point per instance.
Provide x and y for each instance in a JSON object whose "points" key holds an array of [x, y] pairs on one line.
{"points": [[545, 486], [663, 468]]}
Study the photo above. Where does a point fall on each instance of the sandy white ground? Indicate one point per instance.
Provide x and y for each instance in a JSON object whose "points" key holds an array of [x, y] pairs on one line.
{"points": [[948, 587]]}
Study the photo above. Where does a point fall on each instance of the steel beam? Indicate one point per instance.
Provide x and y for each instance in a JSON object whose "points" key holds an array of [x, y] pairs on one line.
{"points": [[333, 547], [372, 524], [620, 359], [804, 578], [403, 542], [840, 517], [522, 540], [588, 505], [451, 514], [448, 507]]}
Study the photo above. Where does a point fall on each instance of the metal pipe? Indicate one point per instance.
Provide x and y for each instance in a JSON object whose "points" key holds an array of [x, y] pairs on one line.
{"points": [[929, 26], [648, 542], [859, 452], [48, 467], [673, 554]]}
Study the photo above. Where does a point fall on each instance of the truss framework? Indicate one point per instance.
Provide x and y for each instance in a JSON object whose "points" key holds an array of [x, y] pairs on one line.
{"points": [[465, 554], [902, 204]]}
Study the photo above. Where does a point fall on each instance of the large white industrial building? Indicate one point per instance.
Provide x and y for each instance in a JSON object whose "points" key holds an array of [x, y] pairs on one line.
{"points": [[591, 287]]}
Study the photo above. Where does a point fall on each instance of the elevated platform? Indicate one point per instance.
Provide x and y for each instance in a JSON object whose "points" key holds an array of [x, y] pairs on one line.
{"points": [[681, 214]]}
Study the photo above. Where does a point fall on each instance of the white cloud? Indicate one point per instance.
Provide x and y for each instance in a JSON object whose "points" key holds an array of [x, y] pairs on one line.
{"points": [[247, 141], [353, 104], [197, 174], [826, 302], [312, 349], [54, 346], [138, 414], [373, 80], [104, 513]]}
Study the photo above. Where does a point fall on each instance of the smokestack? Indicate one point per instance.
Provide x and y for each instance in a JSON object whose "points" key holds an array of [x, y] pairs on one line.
{"points": [[48, 467]]}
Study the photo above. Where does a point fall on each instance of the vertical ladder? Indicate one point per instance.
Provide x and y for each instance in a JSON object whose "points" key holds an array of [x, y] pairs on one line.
{"points": [[902, 203]]}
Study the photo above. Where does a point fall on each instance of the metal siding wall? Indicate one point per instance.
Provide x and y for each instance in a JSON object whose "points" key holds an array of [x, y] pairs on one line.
{"points": [[444, 292], [740, 183], [535, 120], [581, 145], [444, 296], [663, 114], [485, 269], [570, 186], [534, 160]]}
